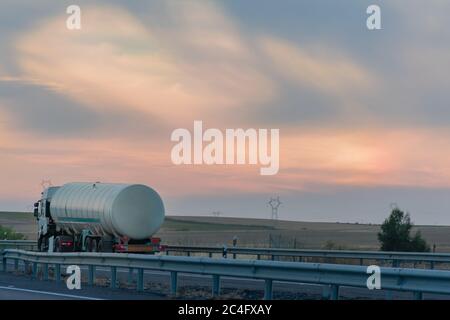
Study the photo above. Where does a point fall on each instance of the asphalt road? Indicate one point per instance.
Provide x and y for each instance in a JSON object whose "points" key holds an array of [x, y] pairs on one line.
{"points": [[21, 287]]}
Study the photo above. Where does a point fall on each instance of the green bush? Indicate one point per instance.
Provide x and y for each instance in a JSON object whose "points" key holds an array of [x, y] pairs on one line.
{"points": [[9, 234], [395, 234]]}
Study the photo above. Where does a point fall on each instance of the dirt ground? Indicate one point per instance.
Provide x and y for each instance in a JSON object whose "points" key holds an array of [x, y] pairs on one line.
{"points": [[183, 230]]}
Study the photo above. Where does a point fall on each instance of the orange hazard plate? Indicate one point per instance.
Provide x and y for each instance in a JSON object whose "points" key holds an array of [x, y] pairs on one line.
{"points": [[140, 248]]}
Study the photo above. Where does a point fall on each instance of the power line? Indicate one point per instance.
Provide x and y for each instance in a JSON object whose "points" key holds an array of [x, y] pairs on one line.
{"points": [[216, 214]]}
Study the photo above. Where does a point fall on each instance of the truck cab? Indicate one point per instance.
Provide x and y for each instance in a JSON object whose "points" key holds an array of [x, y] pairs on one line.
{"points": [[46, 225]]}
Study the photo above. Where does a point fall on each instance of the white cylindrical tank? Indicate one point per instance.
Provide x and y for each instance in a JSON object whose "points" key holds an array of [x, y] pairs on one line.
{"points": [[131, 210]]}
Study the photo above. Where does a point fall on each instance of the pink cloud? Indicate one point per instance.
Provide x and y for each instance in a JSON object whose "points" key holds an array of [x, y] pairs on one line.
{"points": [[121, 64], [202, 66]]}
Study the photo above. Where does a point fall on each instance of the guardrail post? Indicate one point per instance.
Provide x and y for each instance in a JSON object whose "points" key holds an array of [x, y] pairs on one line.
{"points": [[26, 266], [234, 255], [326, 292], [395, 263], [45, 271], [216, 285], [130, 276], [16, 264], [258, 257], [330, 292], [167, 252], [334, 294], [34, 270], [91, 275], [140, 280], [268, 291], [210, 255], [57, 273], [361, 261], [418, 295], [113, 277], [431, 265], [389, 295], [4, 264], [173, 282], [188, 253]]}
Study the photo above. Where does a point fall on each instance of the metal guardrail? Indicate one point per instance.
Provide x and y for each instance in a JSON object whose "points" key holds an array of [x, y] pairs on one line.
{"points": [[18, 244], [395, 257], [329, 275]]}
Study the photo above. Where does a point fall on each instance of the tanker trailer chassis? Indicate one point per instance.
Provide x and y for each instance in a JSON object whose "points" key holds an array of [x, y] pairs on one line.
{"points": [[70, 233]]}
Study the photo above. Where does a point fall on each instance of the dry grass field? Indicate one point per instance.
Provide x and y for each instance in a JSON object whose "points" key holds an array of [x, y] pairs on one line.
{"points": [[214, 231], [289, 234], [22, 222]]}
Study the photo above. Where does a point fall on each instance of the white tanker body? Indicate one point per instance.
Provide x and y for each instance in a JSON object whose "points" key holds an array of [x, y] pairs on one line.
{"points": [[99, 217]]}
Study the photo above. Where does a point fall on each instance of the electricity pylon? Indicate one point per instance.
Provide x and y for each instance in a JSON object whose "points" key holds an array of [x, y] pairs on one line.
{"points": [[274, 203]]}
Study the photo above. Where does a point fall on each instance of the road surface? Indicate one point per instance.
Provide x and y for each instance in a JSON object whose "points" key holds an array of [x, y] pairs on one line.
{"points": [[20, 287]]}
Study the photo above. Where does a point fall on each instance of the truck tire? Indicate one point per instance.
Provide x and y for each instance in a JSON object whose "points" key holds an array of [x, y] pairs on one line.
{"points": [[58, 245], [94, 247], [88, 244], [39, 244], [100, 245], [43, 244]]}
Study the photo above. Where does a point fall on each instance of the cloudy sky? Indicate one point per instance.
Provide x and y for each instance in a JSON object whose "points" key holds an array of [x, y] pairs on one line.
{"points": [[364, 116]]}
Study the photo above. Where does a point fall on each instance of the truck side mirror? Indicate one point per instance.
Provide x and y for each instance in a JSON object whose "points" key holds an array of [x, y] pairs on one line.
{"points": [[36, 209]]}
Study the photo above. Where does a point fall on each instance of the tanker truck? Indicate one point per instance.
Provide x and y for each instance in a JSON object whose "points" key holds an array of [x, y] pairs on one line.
{"points": [[99, 217]]}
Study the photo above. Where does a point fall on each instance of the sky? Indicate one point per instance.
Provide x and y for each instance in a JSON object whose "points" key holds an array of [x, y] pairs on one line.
{"points": [[364, 116]]}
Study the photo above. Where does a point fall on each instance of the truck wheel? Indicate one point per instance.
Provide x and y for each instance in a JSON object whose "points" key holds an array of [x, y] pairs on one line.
{"points": [[88, 244], [100, 245], [39, 244], [43, 244], [93, 245], [58, 245]]}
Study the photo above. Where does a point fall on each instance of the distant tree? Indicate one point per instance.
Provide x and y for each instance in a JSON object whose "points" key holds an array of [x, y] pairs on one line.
{"points": [[419, 244], [395, 234]]}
